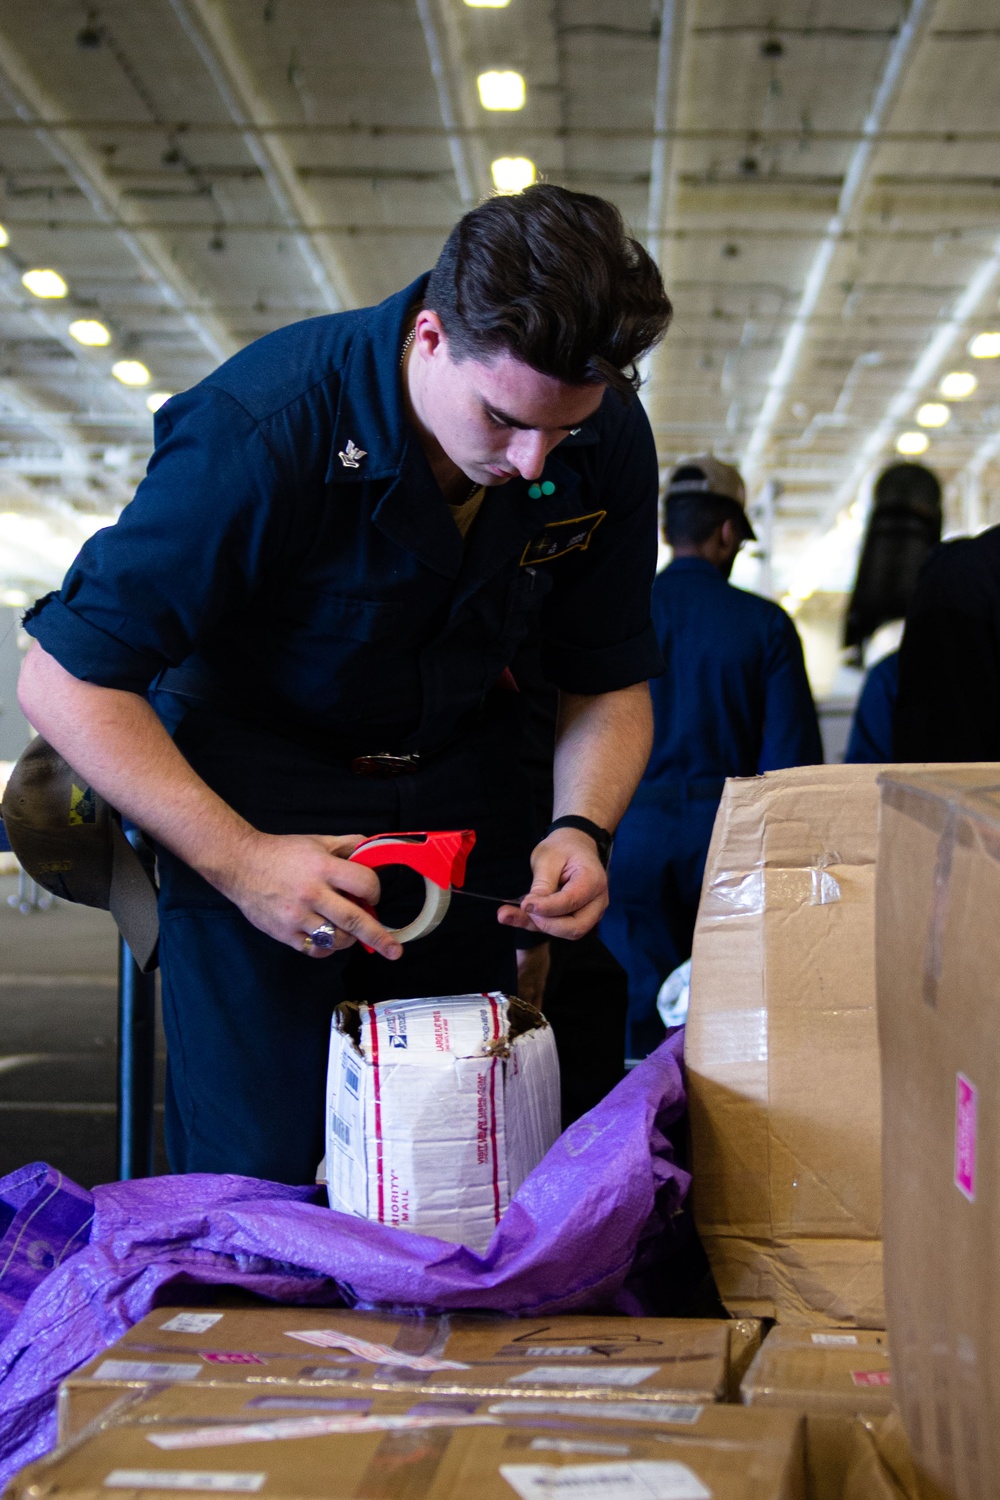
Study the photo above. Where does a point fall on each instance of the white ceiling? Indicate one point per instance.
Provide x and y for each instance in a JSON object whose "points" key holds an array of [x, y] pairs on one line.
{"points": [[819, 180]]}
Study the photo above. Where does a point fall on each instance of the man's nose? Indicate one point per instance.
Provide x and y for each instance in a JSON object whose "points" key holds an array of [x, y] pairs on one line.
{"points": [[527, 451]]}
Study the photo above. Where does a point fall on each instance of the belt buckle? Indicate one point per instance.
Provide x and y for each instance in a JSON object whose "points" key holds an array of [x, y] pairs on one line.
{"points": [[385, 765]]}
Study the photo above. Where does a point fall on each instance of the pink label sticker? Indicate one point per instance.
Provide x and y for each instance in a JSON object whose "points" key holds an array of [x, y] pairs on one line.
{"points": [[229, 1357], [966, 1095], [871, 1377]]}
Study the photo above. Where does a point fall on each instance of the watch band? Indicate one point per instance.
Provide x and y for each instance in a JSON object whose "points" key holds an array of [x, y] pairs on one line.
{"points": [[602, 838]]}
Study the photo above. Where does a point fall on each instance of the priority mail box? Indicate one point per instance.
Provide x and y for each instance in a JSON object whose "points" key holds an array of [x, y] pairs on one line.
{"points": [[781, 1049], [574, 1357], [297, 1446], [938, 943], [833, 1375], [437, 1110]]}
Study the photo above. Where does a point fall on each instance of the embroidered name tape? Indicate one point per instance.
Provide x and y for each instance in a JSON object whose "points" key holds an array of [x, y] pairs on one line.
{"points": [[560, 537]]}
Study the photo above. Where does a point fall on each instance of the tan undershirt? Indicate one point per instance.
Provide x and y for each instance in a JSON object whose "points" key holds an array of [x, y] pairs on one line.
{"points": [[463, 515]]}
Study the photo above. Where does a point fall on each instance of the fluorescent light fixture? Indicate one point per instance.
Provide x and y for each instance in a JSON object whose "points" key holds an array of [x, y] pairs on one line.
{"points": [[45, 283], [88, 331], [501, 90], [4, 237], [487, 4], [155, 399], [985, 346], [958, 384], [512, 174], [131, 372], [912, 443], [933, 414]]}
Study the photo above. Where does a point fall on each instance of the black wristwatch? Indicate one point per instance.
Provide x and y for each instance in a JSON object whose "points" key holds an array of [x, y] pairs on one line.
{"points": [[602, 838]]}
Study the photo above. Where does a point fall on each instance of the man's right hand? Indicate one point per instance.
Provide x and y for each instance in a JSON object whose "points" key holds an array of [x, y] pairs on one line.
{"points": [[287, 885]]}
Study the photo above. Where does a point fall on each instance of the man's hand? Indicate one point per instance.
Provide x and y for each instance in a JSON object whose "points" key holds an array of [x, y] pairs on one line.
{"points": [[288, 884], [569, 893]]}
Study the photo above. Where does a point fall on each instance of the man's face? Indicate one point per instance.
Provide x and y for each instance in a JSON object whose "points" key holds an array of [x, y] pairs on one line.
{"points": [[496, 419]]}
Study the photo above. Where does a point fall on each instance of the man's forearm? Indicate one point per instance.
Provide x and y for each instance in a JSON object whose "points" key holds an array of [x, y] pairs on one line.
{"points": [[602, 746], [116, 741]]}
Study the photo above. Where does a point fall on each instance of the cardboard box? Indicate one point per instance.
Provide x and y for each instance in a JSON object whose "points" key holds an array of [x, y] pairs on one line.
{"points": [[830, 1374], [603, 1359], [744, 1340], [939, 1025], [437, 1110], [781, 1049], [282, 1445], [881, 1465]]}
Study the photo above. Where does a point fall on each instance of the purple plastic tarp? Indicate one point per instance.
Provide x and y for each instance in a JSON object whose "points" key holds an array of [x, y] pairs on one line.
{"points": [[581, 1232]]}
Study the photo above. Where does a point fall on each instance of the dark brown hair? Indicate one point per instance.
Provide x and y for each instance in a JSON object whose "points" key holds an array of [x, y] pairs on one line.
{"points": [[553, 278]]}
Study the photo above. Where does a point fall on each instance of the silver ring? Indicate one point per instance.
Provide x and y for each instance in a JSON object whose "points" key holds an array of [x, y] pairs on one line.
{"points": [[323, 936]]}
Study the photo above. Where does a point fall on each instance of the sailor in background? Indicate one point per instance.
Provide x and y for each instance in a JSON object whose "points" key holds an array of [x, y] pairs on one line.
{"points": [[734, 701], [299, 631]]}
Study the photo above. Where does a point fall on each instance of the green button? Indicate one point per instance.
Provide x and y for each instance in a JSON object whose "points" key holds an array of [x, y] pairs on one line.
{"points": [[548, 488], [534, 491]]}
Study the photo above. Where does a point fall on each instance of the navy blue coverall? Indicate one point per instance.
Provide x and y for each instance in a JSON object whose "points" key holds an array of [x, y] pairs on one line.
{"points": [[734, 701], [870, 742], [289, 603]]}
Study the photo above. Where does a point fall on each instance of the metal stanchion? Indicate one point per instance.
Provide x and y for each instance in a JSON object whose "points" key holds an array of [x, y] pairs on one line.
{"points": [[136, 1055]]}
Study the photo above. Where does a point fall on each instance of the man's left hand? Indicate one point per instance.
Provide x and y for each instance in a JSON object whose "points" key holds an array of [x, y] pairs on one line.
{"points": [[569, 892]]}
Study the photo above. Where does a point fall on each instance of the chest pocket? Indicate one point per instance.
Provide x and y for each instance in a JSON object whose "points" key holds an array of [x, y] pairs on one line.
{"points": [[347, 618], [560, 537]]}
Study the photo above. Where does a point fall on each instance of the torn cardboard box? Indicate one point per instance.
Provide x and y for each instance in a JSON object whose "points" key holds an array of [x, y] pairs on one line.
{"points": [[571, 1357], [437, 1110], [881, 1464], [938, 960], [297, 1446], [781, 1049], [831, 1374]]}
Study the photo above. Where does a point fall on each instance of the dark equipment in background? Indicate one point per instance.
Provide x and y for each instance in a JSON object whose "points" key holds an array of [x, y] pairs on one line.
{"points": [[903, 530]]}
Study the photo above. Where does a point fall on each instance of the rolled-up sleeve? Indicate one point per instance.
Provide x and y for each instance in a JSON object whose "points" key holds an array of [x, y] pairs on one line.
{"points": [[597, 633], [191, 546]]}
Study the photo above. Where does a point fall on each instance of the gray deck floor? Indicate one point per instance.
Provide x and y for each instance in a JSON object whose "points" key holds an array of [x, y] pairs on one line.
{"points": [[58, 1021]]}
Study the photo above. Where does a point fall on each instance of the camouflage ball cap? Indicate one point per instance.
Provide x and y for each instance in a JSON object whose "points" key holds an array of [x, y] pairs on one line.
{"points": [[70, 842], [706, 475]]}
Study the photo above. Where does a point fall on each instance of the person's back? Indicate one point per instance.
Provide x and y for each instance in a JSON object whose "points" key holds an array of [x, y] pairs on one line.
{"points": [[734, 701]]}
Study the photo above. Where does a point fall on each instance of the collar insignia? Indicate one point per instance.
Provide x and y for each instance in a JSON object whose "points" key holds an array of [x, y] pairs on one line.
{"points": [[351, 455]]}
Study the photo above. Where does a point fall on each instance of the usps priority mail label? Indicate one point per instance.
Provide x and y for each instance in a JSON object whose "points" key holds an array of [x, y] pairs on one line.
{"points": [[585, 1375], [966, 1106], [145, 1369], [191, 1323], [643, 1479], [184, 1479]]}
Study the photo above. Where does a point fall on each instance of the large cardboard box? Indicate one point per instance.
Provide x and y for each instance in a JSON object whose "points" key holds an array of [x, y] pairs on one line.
{"points": [[939, 1025], [833, 1375], [781, 1049], [578, 1357], [437, 1110], [383, 1447], [881, 1463]]}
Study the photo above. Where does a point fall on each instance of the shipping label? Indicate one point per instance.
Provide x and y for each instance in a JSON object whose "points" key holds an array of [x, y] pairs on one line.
{"points": [[184, 1479], [966, 1100], [570, 1445], [285, 1429], [871, 1377], [145, 1369], [834, 1340], [191, 1322], [375, 1354], [231, 1357], [585, 1375], [642, 1479], [611, 1411]]}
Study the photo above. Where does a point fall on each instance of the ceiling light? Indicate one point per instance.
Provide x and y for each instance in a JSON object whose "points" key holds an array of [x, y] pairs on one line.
{"points": [[933, 414], [130, 372], [501, 90], [45, 283], [155, 399], [512, 174], [88, 331], [912, 443], [957, 385], [985, 346], [487, 4], [4, 237]]}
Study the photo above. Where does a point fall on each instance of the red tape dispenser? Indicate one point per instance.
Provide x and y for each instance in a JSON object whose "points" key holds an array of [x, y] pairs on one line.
{"points": [[439, 857]]}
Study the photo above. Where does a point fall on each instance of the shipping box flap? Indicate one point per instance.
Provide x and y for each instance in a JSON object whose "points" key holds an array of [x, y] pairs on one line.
{"points": [[576, 1355], [781, 1048], [821, 1370], [939, 1025], [229, 1440]]}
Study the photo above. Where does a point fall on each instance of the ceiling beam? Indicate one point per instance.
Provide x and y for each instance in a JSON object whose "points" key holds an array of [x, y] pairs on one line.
{"points": [[207, 28], [84, 167], [446, 106], [852, 192]]}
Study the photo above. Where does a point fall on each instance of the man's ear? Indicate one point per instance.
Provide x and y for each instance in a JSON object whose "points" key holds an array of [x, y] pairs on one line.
{"points": [[428, 333]]}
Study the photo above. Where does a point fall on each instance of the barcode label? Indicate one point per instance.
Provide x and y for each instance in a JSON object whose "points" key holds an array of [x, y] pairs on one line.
{"points": [[143, 1369], [352, 1079], [340, 1128], [184, 1479]]}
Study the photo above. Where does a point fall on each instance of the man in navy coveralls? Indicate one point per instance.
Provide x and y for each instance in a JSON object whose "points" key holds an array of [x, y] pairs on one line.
{"points": [[299, 631]]}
